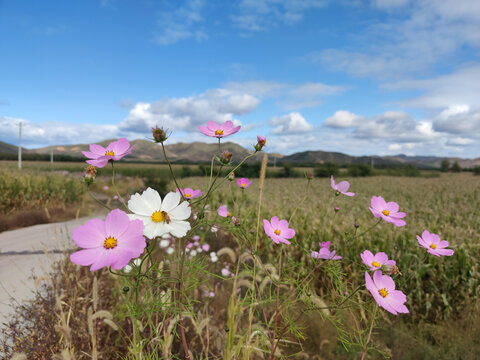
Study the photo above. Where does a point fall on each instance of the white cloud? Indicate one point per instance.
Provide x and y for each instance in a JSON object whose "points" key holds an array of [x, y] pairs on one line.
{"points": [[263, 15], [459, 120], [53, 133], [423, 34], [342, 119], [187, 113], [180, 24], [292, 123]]}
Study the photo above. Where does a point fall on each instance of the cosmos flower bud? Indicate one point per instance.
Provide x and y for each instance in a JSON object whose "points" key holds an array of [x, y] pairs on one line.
{"points": [[90, 174], [231, 176], [309, 176], [336, 208], [356, 225], [159, 135], [390, 270], [235, 221], [225, 158], [261, 141]]}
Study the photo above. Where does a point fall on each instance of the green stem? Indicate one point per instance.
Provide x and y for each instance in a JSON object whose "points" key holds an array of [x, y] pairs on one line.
{"points": [[115, 188], [171, 171], [364, 353], [98, 201]]}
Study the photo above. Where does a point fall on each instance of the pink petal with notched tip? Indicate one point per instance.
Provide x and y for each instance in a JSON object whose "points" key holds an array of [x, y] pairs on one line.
{"points": [[116, 223], [86, 257], [392, 207], [213, 126], [106, 258], [91, 155], [232, 131], [97, 149], [226, 126], [206, 131], [445, 252], [122, 258], [332, 183], [120, 146], [98, 163], [343, 186], [90, 235]]}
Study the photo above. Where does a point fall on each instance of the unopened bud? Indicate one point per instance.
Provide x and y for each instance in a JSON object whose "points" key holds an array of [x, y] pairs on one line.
{"points": [[231, 176], [90, 174], [235, 221], [309, 176], [159, 135], [391, 270], [336, 208], [356, 225], [261, 141], [226, 157]]}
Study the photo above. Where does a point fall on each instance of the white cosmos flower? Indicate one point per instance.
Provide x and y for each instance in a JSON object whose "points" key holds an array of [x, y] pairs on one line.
{"points": [[160, 217]]}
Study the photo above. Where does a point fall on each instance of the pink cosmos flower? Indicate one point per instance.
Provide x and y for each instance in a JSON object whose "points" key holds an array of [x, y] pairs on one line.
{"points": [[244, 183], [341, 187], [215, 130], [223, 212], [387, 211], [278, 230], [113, 242], [375, 262], [325, 252], [382, 287], [114, 151], [189, 193], [434, 245]]}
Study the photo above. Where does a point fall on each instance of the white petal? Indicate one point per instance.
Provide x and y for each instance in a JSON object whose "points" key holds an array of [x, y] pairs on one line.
{"points": [[161, 229], [149, 230], [181, 212], [137, 205], [170, 201], [180, 228], [152, 198], [146, 219]]}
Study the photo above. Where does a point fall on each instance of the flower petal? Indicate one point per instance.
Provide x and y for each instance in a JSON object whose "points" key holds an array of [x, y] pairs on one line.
{"points": [[152, 198], [90, 235], [170, 201], [181, 212]]}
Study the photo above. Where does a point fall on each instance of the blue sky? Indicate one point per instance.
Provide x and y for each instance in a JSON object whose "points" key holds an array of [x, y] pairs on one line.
{"points": [[361, 77]]}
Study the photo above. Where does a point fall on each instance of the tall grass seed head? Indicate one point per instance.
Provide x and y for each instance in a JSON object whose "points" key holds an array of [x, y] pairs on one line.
{"points": [[160, 217], [387, 211], [434, 245], [278, 230], [113, 242], [382, 288], [100, 156]]}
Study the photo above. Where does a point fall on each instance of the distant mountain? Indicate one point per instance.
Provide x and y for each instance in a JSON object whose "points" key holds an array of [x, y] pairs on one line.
{"points": [[7, 148], [199, 152]]}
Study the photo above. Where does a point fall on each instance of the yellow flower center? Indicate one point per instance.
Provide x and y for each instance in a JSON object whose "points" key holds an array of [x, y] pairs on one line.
{"points": [[110, 242], [433, 246], [188, 195], [109, 153], [277, 232], [383, 292], [218, 132], [375, 263], [229, 215], [158, 216], [386, 212], [243, 184]]}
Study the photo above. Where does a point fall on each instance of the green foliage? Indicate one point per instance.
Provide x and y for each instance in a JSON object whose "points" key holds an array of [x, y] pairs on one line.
{"points": [[476, 170], [445, 165], [359, 170], [326, 170], [456, 166]]}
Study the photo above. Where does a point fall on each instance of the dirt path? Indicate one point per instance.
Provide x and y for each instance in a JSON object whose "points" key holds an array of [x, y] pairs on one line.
{"points": [[28, 251]]}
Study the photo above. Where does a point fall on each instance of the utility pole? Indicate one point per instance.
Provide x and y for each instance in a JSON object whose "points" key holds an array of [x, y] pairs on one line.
{"points": [[51, 155], [371, 162], [20, 145]]}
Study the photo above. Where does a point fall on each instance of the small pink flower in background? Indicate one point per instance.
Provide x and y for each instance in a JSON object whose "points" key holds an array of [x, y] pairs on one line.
{"points": [[215, 130], [115, 197], [375, 262], [325, 252], [106, 187], [99, 156], [226, 271], [434, 245], [113, 242], [243, 183], [382, 287], [223, 212], [278, 230], [189, 193], [205, 247], [341, 187], [387, 211]]}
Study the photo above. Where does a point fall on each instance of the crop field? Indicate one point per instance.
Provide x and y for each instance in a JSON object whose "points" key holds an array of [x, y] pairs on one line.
{"points": [[321, 309]]}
